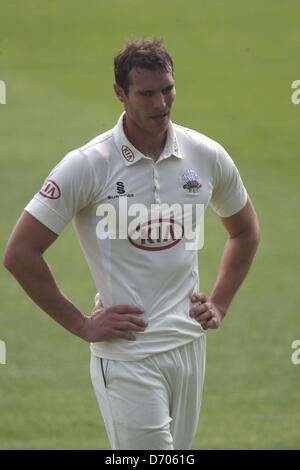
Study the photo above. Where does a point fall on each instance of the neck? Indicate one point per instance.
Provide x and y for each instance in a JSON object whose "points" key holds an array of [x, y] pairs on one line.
{"points": [[148, 144]]}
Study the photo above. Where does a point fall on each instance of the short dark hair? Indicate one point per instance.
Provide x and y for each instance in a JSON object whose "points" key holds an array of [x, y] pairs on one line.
{"points": [[142, 53]]}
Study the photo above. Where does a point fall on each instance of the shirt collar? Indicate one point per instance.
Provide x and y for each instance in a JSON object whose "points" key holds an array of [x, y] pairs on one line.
{"points": [[131, 155]]}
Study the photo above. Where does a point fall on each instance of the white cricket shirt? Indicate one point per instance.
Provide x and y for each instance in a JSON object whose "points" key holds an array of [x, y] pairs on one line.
{"points": [[147, 264]]}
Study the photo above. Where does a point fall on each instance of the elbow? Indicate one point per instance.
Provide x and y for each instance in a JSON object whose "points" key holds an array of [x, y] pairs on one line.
{"points": [[12, 259], [257, 234], [8, 261], [256, 243], [251, 237], [255, 237]]}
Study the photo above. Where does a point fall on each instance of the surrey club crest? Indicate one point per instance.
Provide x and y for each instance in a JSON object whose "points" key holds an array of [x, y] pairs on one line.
{"points": [[191, 181]]}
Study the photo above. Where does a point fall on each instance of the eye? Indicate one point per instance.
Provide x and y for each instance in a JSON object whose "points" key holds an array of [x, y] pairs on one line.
{"points": [[146, 93], [168, 89]]}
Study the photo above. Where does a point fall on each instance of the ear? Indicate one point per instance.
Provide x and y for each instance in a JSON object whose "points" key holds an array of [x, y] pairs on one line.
{"points": [[120, 94]]}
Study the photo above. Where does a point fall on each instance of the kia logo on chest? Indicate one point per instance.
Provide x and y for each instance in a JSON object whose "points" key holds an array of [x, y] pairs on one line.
{"points": [[50, 190], [155, 235]]}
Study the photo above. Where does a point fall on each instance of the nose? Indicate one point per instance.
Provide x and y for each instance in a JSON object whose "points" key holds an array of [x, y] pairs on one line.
{"points": [[159, 101]]}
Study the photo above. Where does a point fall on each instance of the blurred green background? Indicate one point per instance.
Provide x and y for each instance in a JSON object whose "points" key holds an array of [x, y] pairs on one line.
{"points": [[235, 62]]}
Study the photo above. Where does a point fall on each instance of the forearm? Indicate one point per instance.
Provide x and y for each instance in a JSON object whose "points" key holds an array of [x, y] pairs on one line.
{"points": [[33, 273], [236, 260]]}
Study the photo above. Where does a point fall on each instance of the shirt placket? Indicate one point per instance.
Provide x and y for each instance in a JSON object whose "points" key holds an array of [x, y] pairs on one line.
{"points": [[155, 184]]}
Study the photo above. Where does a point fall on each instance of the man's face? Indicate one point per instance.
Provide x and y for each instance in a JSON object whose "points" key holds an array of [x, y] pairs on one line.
{"points": [[149, 101]]}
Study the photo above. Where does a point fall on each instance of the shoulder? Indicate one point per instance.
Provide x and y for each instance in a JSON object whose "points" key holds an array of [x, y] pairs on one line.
{"points": [[94, 151], [191, 139], [98, 143], [91, 156]]}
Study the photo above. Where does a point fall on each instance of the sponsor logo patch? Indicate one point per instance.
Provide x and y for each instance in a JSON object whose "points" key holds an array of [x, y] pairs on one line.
{"points": [[121, 191], [120, 187], [156, 235], [51, 190], [127, 153], [191, 181]]}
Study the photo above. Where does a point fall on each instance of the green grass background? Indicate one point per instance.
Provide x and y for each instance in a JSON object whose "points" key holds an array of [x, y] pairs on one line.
{"points": [[234, 65]]}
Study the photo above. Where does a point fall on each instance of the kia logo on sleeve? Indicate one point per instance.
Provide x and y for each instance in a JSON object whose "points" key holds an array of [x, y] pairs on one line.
{"points": [[50, 190]]}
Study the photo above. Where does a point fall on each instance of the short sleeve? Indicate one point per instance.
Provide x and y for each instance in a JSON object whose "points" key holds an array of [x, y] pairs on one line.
{"points": [[229, 195], [67, 189]]}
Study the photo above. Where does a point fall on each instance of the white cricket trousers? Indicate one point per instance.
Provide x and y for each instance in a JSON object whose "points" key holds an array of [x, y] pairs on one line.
{"points": [[153, 403]]}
